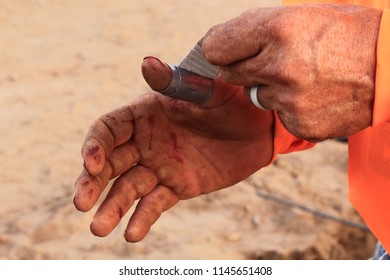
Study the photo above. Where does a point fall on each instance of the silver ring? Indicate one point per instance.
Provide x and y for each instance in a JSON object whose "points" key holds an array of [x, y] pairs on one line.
{"points": [[255, 99]]}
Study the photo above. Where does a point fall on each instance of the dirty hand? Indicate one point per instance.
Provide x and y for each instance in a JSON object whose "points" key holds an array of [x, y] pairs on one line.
{"points": [[162, 150], [314, 64]]}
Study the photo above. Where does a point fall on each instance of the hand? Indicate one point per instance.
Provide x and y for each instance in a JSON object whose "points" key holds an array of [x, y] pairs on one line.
{"points": [[315, 64], [162, 150]]}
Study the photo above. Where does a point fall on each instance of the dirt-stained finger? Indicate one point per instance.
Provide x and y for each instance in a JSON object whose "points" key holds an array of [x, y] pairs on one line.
{"points": [[129, 187], [157, 74], [148, 210], [123, 158], [107, 132], [88, 188], [234, 40]]}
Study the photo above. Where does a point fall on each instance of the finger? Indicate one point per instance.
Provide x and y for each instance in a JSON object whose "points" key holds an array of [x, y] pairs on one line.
{"points": [[148, 211], [132, 185], [237, 39], [123, 158], [262, 69], [107, 132], [89, 188], [271, 97], [158, 75], [253, 94]]}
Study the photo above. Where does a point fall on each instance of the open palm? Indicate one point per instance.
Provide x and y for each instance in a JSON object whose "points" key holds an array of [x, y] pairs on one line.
{"points": [[161, 150]]}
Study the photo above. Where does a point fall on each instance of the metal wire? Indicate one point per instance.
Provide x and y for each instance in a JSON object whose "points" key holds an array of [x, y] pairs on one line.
{"points": [[312, 211]]}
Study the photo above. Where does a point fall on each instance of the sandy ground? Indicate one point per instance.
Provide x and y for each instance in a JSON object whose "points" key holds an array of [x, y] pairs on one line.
{"points": [[65, 62]]}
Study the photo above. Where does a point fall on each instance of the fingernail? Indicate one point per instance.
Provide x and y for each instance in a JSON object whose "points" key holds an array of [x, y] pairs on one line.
{"points": [[152, 57]]}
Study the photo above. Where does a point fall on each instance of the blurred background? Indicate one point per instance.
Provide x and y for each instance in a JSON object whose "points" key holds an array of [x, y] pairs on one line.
{"points": [[63, 63]]}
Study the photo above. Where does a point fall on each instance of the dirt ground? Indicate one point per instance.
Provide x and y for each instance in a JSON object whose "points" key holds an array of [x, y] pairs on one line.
{"points": [[65, 62]]}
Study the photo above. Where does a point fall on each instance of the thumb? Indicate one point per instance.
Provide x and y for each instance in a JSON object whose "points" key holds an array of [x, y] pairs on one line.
{"points": [[178, 83], [157, 75], [238, 39]]}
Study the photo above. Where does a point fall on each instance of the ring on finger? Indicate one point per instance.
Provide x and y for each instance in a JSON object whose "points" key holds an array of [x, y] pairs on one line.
{"points": [[254, 98]]}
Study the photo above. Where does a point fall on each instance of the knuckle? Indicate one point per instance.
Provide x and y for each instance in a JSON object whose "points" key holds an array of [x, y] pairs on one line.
{"points": [[209, 44]]}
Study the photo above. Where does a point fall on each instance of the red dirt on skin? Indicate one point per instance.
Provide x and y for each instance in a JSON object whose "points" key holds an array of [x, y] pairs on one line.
{"points": [[120, 212], [173, 138], [151, 121], [93, 152], [176, 155]]}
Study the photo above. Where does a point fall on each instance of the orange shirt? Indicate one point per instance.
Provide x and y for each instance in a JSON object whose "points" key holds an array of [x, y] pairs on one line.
{"points": [[369, 149]]}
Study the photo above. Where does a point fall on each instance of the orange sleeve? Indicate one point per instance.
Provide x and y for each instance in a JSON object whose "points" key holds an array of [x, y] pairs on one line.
{"points": [[293, 2], [379, 4], [285, 142], [382, 81]]}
